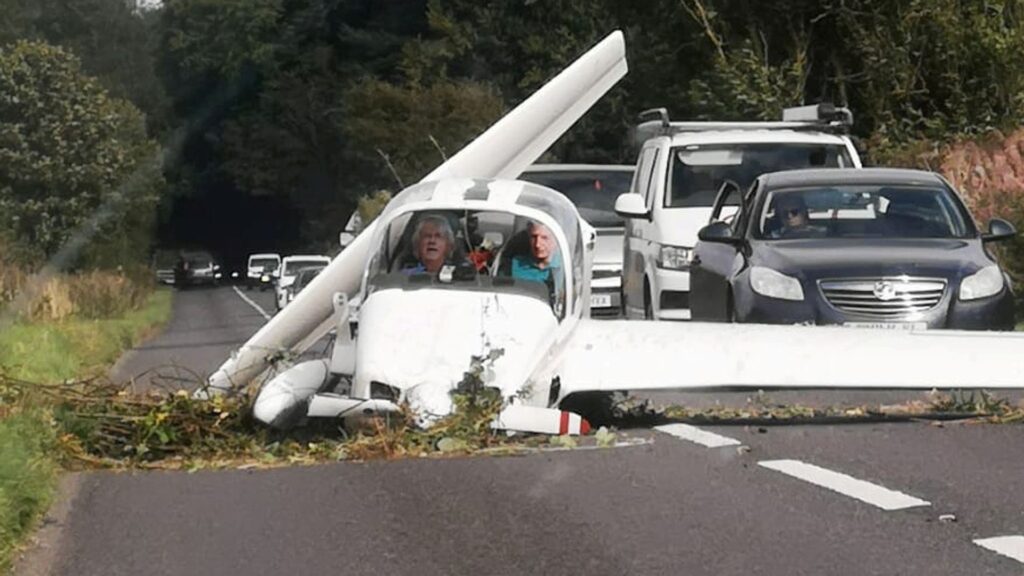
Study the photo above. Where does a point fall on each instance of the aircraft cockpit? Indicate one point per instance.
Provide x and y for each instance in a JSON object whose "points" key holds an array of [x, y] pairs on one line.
{"points": [[497, 236]]}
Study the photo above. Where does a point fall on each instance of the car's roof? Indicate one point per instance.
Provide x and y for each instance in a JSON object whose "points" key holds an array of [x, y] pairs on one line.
{"points": [[265, 255], [711, 138], [838, 176], [541, 168], [295, 257]]}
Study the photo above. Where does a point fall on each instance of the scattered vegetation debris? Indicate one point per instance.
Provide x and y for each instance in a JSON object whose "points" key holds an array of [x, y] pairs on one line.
{"points": [[102, 424], [759, 411]]}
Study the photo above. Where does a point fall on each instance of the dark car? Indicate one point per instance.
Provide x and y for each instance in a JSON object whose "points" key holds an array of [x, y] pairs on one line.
{"points": [[879, 247], [197, 268]]}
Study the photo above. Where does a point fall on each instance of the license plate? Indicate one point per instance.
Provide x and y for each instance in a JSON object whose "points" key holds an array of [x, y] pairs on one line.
{"points": [[889, 325], [600, 300]]}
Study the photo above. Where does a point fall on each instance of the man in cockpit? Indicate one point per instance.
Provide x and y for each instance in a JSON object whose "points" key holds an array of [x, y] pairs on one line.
{"points": [[543, 263], [433, 243]]}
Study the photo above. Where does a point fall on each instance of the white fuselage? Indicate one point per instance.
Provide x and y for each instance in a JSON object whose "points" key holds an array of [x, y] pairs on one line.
{"points": [[423, 342]]}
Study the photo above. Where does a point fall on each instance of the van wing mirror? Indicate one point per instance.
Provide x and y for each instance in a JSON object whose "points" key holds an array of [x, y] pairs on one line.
{"points": [[631, 205]]}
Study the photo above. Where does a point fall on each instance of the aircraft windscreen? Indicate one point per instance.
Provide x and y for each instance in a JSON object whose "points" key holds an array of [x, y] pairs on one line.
{"points": [[471, 250]]}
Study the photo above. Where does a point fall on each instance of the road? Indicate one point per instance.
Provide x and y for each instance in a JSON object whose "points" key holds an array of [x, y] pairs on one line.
{"points": [[855, 499]]}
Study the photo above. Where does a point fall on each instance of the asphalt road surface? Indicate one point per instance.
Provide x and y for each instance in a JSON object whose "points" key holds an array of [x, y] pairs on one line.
{"points": [[206, 325], [856, 499]]}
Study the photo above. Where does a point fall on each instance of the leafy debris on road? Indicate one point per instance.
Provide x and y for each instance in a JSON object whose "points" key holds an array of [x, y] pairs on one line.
{"points": [[759, 410]]}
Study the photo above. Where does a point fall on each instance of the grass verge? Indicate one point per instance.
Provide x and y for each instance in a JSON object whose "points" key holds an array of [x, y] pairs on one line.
{"points": [[51, 352], [74, 349]]}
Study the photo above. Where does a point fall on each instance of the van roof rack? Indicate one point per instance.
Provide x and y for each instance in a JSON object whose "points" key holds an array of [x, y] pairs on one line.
{"points": [[816, 117]]}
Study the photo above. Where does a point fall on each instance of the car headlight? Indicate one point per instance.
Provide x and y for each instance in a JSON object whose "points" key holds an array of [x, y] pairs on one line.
{"points": [[768, 282], [674, 257], [264, 278], [984, 283]]}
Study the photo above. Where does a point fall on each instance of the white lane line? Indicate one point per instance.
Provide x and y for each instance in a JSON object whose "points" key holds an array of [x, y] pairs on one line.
{"points": [[694, 434], [1009, 546], [250, 302], [847, 485]]}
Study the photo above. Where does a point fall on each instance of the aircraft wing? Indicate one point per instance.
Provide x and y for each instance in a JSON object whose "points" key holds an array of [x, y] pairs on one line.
{"points": [[503, 151], [629, 355]]}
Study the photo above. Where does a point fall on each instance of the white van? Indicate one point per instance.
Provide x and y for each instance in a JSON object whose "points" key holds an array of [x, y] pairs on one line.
{"points": [[261, 270], [680, 169]]}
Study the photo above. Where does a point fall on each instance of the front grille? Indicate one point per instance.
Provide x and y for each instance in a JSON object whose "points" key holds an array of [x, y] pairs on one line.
{"points": [[597, 273], [884, 298]]}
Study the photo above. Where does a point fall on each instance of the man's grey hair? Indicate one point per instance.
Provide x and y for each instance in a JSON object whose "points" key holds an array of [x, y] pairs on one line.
{"points": [[438, 221]]}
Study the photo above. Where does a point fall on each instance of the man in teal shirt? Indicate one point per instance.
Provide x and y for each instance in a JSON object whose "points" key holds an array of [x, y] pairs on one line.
{"points": [[543, 264]]}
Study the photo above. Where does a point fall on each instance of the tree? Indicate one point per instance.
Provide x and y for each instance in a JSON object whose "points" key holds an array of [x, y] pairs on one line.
{"points": [[112, 38], [71, 159]]}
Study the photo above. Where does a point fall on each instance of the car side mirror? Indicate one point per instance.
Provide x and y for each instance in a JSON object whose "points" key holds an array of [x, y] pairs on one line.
{"points": [[999, 229], [719, 232], [631, 205]]}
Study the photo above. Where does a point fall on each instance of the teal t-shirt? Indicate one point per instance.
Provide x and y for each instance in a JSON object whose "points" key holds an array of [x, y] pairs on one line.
{"points": [[525, 268]]}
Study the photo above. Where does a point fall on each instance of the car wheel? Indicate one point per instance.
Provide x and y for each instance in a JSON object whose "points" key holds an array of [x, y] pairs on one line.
{"points": [[648, 306]]}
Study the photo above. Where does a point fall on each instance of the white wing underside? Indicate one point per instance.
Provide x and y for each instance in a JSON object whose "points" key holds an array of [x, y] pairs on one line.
{"points": [[629, 355]]}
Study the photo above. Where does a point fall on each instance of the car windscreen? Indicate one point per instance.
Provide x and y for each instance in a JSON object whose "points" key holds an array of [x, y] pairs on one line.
{"points": [[863, 211], [199, 260], [293, 266], [264, 263], [698, 172], [306, 275], [592, 191]]}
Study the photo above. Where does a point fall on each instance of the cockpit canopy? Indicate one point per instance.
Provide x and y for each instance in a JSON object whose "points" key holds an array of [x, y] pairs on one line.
{"points": [[479, 235]]}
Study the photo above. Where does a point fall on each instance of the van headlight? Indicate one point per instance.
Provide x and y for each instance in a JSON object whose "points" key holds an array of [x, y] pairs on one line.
{"points": [[674, 257], [984, 283], [768, 282]]}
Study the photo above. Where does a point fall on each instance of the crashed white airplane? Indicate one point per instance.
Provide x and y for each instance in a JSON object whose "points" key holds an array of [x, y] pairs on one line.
{"points": [[418, 333]]}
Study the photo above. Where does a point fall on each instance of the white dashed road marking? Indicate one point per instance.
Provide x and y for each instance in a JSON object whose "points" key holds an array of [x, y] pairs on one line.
{"points": [[694, 434], [1009, 546], [250, 302], [847, 485]]}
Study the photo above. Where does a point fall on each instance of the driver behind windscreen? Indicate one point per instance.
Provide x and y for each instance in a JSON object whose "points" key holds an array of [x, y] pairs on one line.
{"points": [[791, 212], [433, 243]]}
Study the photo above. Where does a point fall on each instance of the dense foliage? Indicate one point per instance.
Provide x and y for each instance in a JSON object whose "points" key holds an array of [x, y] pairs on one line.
{"points": [[319, 102], [74, 162]]}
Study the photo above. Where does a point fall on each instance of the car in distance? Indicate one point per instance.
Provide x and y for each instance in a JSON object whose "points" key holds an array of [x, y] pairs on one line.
{"points": [[196, 268], [886, 248], [261, 270], [302, 279], [290, 267]]}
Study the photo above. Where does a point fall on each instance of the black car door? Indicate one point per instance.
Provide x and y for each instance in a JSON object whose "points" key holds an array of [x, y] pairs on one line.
{"points": [[713, 262]]}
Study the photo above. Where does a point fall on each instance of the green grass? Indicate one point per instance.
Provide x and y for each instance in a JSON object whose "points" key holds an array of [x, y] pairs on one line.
{"points": [[28, 475], [52, 353], [56, 352]]}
